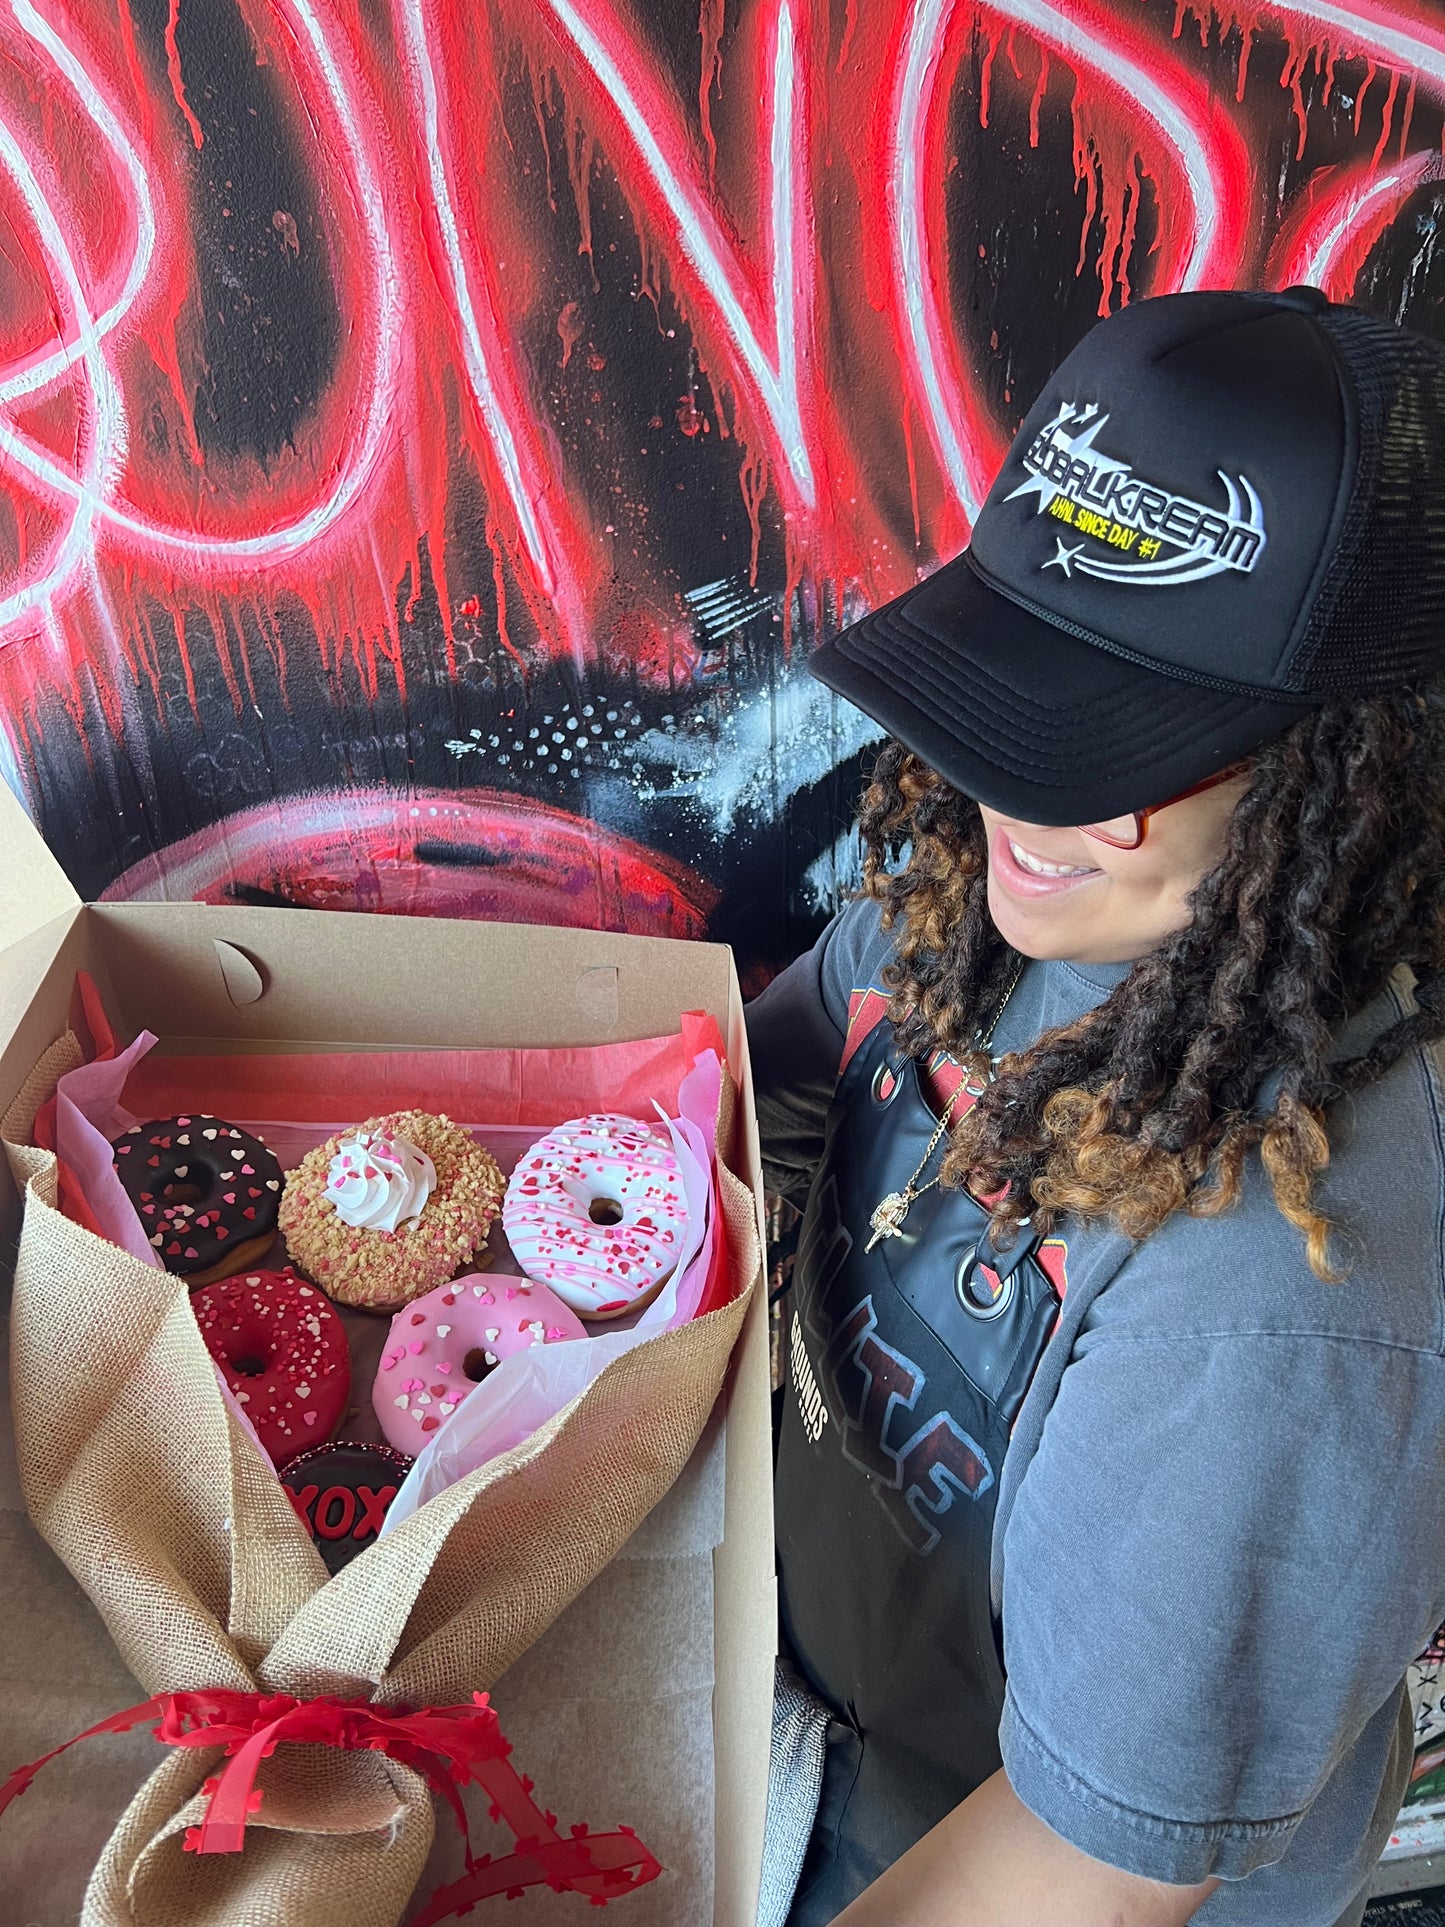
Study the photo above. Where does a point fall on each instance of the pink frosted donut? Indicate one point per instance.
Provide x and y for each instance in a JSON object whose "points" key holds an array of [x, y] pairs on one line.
{"points": [[597, 1209], [443, 1344]]}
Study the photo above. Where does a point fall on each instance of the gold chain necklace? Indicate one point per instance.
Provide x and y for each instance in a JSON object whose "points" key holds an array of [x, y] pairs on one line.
{"points": [[889, 1212]]}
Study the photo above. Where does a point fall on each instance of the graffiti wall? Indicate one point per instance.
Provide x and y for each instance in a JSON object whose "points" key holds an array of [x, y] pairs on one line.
{"points": [[433, 433]]}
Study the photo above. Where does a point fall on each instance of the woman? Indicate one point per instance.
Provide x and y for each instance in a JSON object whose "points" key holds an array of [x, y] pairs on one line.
{"points": [[1111, 1509]]}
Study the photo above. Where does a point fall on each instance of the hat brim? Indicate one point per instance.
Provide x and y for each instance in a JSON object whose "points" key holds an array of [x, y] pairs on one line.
{"points": [[1031, 720]]}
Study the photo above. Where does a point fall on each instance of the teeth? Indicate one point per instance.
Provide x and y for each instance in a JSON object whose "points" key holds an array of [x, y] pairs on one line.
{"points": [[1036, 865]]}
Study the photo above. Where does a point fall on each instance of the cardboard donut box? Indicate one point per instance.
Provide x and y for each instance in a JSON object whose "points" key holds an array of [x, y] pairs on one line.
{"points": [[211, 979]]}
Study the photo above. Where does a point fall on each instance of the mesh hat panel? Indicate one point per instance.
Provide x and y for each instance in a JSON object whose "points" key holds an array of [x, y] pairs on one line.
{"points": [[1378, 618]]}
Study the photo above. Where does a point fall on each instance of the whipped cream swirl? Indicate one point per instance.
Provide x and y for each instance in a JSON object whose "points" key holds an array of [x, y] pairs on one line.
{"points": [[377, 1183]]}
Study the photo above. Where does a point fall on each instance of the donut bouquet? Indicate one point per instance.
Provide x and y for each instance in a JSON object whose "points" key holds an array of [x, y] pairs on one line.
{"points": [[606, 1218], [323, 1356]]}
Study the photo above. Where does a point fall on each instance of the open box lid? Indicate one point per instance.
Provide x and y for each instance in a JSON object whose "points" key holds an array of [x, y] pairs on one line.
{"points": [[265, 976], [33, 887]]}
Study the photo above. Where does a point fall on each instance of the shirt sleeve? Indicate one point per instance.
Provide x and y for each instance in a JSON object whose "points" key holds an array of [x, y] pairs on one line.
{"points": [[1218, 1566], [796, 1032]]}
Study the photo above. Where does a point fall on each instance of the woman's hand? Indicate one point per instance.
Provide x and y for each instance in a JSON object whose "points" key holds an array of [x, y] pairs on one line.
{"points": [[991, 1863]]}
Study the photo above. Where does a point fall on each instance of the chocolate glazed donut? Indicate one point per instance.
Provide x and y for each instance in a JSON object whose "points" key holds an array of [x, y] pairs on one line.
{"points": [[206, 1192]]}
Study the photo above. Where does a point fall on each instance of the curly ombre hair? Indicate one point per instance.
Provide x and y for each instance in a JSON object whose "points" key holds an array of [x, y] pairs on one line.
{"points": [[1333, 876]]}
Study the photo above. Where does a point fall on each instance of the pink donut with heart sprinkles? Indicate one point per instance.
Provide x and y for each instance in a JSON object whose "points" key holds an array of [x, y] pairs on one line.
{"points": [[597, 1210], [442, 1345]]}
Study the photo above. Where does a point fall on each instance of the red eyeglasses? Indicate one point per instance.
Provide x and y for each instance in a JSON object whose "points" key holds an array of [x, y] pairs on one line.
{"points": [[1128, 832]]}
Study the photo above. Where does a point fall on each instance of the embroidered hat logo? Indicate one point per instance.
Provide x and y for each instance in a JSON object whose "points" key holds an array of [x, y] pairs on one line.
{"points": [[1167, 538]]}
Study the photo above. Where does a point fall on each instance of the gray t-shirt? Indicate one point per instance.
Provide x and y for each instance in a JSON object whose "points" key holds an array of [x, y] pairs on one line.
{"points": [[1220, 1536]]}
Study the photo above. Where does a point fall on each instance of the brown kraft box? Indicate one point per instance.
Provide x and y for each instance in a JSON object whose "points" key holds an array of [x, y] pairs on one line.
{"points": [[213, 979]]}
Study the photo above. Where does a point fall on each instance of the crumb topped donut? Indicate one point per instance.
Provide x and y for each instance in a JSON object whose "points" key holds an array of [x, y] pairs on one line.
{"points": [[390, 1208], [207, 1193], [597, 1210]]}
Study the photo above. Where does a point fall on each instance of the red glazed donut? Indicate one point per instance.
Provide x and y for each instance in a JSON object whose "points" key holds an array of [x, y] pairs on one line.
{"points": [[283, 1352]]}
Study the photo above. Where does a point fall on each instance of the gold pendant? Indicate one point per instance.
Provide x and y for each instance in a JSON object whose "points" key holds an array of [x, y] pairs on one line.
{"points": [[887, 1218]]}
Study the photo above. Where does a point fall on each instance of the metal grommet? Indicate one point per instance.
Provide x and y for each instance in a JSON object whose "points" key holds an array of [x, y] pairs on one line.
{"points": [[980, 1290], [885, 1083]]}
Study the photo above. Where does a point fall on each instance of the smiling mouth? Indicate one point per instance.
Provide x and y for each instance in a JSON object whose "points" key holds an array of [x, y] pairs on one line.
{"points": [[1036, 865]]}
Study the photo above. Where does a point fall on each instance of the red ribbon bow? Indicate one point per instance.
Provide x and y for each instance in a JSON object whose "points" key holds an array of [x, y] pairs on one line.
{"points": [[449, 1746]]}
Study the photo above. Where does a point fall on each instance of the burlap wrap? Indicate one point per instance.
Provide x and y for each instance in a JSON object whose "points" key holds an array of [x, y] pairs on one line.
{"points": [[179, 1531]]}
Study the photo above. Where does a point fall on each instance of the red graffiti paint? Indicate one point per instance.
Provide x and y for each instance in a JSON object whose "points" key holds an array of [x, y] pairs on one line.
{"points": [[463, 853], [1347, 210], [786, 203]]}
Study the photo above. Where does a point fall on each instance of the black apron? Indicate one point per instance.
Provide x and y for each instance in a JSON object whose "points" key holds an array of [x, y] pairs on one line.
{"points": [[906, 1367]]}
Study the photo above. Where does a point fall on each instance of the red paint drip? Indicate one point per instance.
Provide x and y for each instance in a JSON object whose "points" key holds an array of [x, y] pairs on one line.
{"points": [[136, 71], [985, 78], [1386, 118], [1037, 101], [173, 69], [569, 329], [1291, 79], [1111, 170], [1370, 71], [710, 28], [1409, 115]]}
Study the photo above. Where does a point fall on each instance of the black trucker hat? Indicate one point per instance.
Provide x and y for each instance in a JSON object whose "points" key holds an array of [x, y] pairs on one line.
{"points": [[1223, 510]]}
